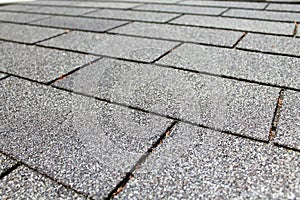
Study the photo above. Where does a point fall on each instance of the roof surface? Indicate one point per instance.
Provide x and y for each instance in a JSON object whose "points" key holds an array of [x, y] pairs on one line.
{"points": [[152, 99]]}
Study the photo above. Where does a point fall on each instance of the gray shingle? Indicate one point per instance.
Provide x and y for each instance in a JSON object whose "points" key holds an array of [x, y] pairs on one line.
{"points": [[60, 10], [196, 163], [79, 141], [181, 9], [20, 17], [269, 15], [15, 7], [237, 24], [181, 33], [140, 49], [50, 3], [230, 105], [106, 4], [38, 63], [227, 4], [5, 163], [133, 15], [284, 7], [26, 34], [273, 69], [288, 133], [24, 183], [77, 23], [273, 44], [2, 75], [151, 1]]}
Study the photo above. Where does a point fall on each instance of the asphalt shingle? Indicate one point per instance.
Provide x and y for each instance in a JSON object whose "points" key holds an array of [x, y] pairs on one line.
{"points": [[198, 163], [26, 34], [60, 10], [15, 7], [79, 141], [50, 3], [284, 7], [288, 133], [5, 164], [2, 75], [181, 33], [181, 9], [20, 17], [271, 69], [140, 49], [239, 107], [227, 4], [78, 23], [38, 63], [133, 15], [237, 24], [269, 15], [272, 44], [24, 183], [106, 5]]}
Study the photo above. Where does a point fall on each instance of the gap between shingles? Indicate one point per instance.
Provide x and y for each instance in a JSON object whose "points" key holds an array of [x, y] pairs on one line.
{"points": [[121, 185], [276, 116]]}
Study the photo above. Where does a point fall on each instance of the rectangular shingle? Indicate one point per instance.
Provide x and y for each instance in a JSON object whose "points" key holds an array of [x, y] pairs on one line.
{"points": [[82, 142], [38, 63], [140, 49], [272, 44], [50, 3], [181, 9], [60, 10], [5, 164], [227, 4], [196, 163], [26, 34], [284, 7], [237, 24], [288, 129], [151, 1], [24, 183], [106, 5], [230, 105], [272, 69], [78, 23], [181, 33], [15, 7], [268, 15], [20, 17], [133, 15]]}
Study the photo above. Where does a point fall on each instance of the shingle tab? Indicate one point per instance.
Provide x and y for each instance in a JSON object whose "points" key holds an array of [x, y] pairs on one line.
{"points": [[15, 7], [229, 105], [269, 15], [106, 4], [26, 34], [181, 33], [273, 44], [237, 24], [196, 163], [20, 17], [227, 4], [82, 142], [38, 63], [272, 69], [133, 15], [61, 10], [284, 7], [181, 9], [288, 132], [24, 183], [139, 49], [78, 23]]}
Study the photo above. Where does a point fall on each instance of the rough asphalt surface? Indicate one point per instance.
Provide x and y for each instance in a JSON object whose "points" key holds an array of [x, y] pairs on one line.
{"points": [[150, 99]]}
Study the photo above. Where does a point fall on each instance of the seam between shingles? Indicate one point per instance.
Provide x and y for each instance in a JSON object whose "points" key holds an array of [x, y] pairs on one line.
{"points": [[296, 29], [276, 116], [226, 10], [19, 163], [239, 40], [9, 170], [122, 184]]}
